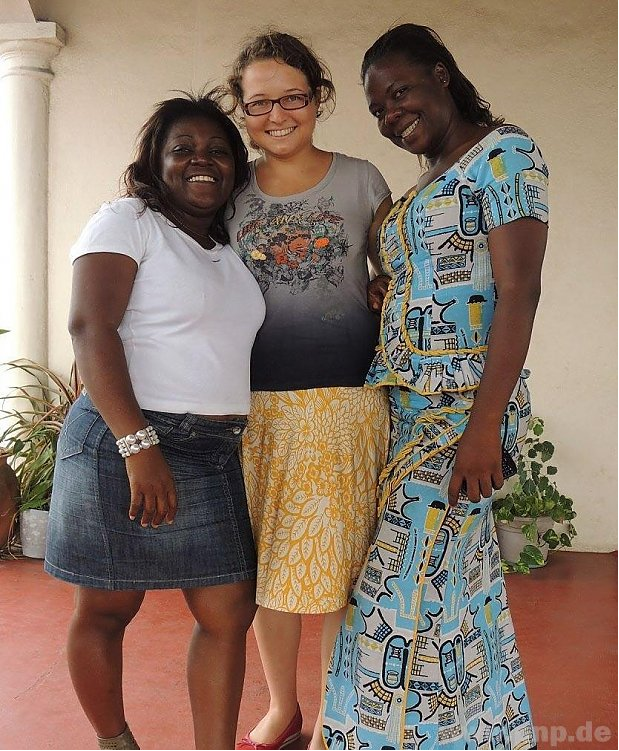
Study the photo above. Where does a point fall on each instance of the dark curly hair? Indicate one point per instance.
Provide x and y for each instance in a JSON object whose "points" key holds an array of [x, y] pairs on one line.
{"points": [[276, 45], [142, 178], [421, 45]]}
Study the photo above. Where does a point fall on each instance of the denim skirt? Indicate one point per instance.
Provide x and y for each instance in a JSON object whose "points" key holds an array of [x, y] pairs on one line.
{"points": [[92, 542]]}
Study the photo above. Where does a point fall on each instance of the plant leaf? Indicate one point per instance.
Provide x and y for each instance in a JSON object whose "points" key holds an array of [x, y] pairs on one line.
{"points": [[531, 556], [32, 416]]}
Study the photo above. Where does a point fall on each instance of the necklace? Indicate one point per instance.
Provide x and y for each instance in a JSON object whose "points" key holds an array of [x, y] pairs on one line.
{"points": [[175, 219]]}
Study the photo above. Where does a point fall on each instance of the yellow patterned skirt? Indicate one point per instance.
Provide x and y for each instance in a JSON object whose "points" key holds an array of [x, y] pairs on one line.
{"points": [[311, 461]]}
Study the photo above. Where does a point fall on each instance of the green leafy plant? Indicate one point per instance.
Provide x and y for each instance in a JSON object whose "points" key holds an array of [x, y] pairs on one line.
{"points": [[31, 417], [535, 497]]}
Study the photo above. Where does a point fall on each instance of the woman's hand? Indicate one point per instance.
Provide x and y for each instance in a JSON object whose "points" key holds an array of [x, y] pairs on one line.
{"points": [[377, 289], [477, 466], [152, 488]]}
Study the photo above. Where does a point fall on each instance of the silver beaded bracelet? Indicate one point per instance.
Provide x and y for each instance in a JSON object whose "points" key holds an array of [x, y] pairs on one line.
{"points": [[135, 442]]}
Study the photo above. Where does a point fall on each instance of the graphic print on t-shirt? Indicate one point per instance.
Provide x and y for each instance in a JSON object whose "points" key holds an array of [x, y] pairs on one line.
{"points": [[293, 243]]}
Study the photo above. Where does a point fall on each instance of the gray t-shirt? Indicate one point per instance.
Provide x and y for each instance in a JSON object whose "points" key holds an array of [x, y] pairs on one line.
{"points": [[308, 253]]}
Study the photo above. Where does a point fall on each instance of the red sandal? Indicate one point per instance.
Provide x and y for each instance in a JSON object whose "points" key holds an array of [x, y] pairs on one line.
{"points": [[290, 735]]}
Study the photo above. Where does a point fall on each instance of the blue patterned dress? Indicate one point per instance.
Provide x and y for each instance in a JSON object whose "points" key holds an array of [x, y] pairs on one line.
{"points": [[426, 657]]}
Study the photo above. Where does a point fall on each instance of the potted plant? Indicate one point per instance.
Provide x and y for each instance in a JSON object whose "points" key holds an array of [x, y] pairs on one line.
{"points": [[30, 420], [527, 515]]}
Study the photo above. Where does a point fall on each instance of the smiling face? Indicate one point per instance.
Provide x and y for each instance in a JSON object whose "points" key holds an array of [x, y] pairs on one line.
{"points": [[411, 103], [197, 166], [280, 132]]}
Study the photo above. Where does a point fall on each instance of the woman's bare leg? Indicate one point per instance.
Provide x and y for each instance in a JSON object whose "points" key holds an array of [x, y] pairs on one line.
{"points": [[94, 651], [278, 635], [216, 660], [330, 627]]}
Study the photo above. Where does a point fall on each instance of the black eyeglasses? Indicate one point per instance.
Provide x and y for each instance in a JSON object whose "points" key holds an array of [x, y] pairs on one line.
{"points": [[288, 102]]}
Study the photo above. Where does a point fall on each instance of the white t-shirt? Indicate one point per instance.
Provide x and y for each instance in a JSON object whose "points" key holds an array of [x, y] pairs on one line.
{"points": [[192, 315]]}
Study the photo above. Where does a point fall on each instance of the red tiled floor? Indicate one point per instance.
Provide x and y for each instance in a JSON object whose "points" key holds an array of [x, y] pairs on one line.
{"points": [[565, 616]]}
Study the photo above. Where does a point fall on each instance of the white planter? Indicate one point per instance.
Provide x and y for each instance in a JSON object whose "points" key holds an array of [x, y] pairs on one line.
{"points": [[33, 532], [512, 541]]}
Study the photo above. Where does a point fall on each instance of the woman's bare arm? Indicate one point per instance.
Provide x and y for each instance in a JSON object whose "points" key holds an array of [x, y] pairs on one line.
{"points": [[517, 252], [102, 284]]}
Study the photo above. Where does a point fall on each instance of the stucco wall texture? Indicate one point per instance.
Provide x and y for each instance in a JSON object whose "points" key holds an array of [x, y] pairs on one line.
{"points": [[549, 67]]}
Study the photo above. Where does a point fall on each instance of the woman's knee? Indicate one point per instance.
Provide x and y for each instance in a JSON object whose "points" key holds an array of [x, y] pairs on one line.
{"points": [[244, 608], [108, 611], [227, 610]]}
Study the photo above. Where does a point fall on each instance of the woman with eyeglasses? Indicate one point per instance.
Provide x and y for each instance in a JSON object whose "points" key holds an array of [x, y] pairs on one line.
{"points": [[316, 439]]}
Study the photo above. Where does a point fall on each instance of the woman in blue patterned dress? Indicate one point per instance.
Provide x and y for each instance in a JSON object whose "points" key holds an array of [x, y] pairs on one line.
{"points": [[426, 657]]}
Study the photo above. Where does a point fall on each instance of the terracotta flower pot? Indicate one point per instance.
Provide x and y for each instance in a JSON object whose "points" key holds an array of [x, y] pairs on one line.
{"points": [[9, 493]]}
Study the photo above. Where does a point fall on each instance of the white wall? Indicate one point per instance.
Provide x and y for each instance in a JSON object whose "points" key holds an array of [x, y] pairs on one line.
{"points": [[16, 11], [549, 67]]}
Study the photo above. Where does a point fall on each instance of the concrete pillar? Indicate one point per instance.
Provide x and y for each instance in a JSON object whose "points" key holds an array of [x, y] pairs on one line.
{"points": [[26, 51]]}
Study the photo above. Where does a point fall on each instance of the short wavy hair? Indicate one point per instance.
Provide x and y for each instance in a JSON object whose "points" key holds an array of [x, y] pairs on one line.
{"points": [[277, 45], [142, 178], [421, 45]]}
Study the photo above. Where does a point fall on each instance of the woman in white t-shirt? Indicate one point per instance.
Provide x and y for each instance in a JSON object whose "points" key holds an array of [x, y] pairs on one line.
{"points": [[148, 491]]}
